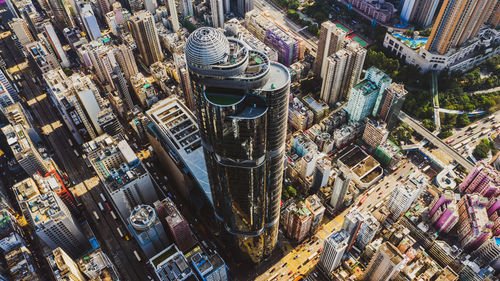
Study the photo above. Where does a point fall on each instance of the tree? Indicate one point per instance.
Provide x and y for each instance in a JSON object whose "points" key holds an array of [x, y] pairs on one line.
{"points": [[429, 124], [482, 150], [292, 191], [463, 120], [445, 134]]}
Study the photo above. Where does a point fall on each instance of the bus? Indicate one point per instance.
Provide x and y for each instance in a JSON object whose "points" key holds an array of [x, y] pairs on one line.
{"points": [[491, 117], [450, 140], [456, 146], [362, 200], [378, 204], [311, 257], [102, 197], [137, 256], [100, 206], [473, 126], [96, 215], [370, 191], [426, 168]]}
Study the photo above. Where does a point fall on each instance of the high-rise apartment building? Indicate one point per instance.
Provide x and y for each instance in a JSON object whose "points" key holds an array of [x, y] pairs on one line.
{"points": [[51, 35], [136, 5], [444, 212], [44, 58], [330, 41], [339, 190], [296, 220], [126, 60], [241, 91], [61, 11], [419, 12], [142, 26], [335, 246], [367, 231], [457, 22], [484, 179], [244, 6], [375, 133], [187, 8], [386, 262], [124, 177], [366, 96], [395, 95], [147, 230], [173, 220], [474, 226], [494, 19], [50, 218], [217, 10], [172, 10], [313, 203], [488, 253], [352, 224], [401, 199]]}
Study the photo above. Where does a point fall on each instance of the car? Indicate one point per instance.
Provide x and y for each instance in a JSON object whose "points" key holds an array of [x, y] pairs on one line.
{"points": [[299, 266], [378, 197], [290, 273]]}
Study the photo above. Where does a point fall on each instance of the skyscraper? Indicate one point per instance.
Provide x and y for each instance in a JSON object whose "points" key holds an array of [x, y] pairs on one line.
{"points": [[147, 230], [419, 12], [125, 58], [20, 28], [367, 231], [90, 23], [242, 102], [143, 29], [494, 19], [395, 96], [367, 95], [330, 41], [339, 190], [386, 262], [458, 21], [55, 44], [244, 6], [172, 10], [335, 247], [484, 179], [217, 9], [352, 224]]}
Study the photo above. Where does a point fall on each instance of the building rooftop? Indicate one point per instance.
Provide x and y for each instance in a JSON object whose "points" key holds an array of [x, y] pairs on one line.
{"points": [[98, 267], [205, 264], [18, 140], [142, 217], [392, 252], [21, 265], [170, 264], [179, 129]]}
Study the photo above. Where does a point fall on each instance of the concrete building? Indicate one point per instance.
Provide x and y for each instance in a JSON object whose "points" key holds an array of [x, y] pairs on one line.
{"points": [[474, 226], [375, 133], [144, 31], [339, 190], [51, 35], [171, 264], [173, 15], [21, 30], [21, 265], [457, 22], [401, 199], [379, 10], [296, 220], [24, 150], [484, 179], [366, 96], [299, 116], [217, 10], [97, 265], [90, 23], [321, 174], [208, 267], [330, 41], [419, 12], [147, 230], [352, 224], [8, 94], [43, 58], [63, 266], [386, 262], [395, 95], [488, 254], [109, 123], [173, 220], [335, 246], [367, 231], [125, 58], [125, 179], [218, 82], [50, 218], [313, 203]]}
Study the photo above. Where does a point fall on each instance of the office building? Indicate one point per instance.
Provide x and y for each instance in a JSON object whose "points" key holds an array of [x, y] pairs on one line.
{"points": [[367, 231], [174, 128], [187, 8], [171, 264], [52, 181], [488, 254], [96, 265], [401, 199], [321, 174], [473, 227], [61, 11], [147, 230], [339, 190], [21, 265], [483, 179], [313, 203], [90, 23], [109, 123], [335, 246], [366, 96], [21, 30], [63, 266], [173, 220], [250, 213], [217, 10], [51, 35], [125, 179], [443, 211], [419, 12], [24, 150], [50, 218], [457, 22], [395, 95], [352, 224], [142, 26], [7, 86], [375, 133], [208, 267], [174, 20], [330, 41], [386, 262]]}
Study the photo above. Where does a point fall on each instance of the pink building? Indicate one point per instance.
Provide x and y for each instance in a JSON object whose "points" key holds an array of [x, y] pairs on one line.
{"points": [[484, 180], [474, 226], [178, 227], [443, 212]]}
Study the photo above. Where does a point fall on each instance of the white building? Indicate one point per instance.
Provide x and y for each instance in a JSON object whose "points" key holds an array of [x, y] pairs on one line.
{"points": [[217, 10], [335, 247], [401, 199], [386, 262], [90, 22], [174, 20], [339, 190], [367, 231]]}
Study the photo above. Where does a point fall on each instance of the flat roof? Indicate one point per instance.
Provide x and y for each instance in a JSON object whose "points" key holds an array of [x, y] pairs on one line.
{"points": [[279, 77]]}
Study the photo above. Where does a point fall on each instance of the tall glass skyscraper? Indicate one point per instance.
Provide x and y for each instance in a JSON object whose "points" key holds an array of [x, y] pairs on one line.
{"points": [[241, 104]]}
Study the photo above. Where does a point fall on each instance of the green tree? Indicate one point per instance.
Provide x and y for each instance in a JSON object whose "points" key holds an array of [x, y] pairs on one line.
{"points": [[482, 150], [429, 124], [463, 120]]}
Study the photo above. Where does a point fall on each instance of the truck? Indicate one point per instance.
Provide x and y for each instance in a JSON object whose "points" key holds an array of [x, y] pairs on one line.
{"points": [[137, 256], [119, 232], [113, 215], [100, 206], [96, 215], [473, 126], [102, 197], [76, 153]]}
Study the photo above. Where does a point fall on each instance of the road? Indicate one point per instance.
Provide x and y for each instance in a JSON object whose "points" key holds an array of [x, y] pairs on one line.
{"points": [[277, 14], [87, 186], [435, 141], [296, 260]]}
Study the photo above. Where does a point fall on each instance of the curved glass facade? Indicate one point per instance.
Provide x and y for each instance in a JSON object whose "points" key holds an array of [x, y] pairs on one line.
{"points": [[243, 121]]}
